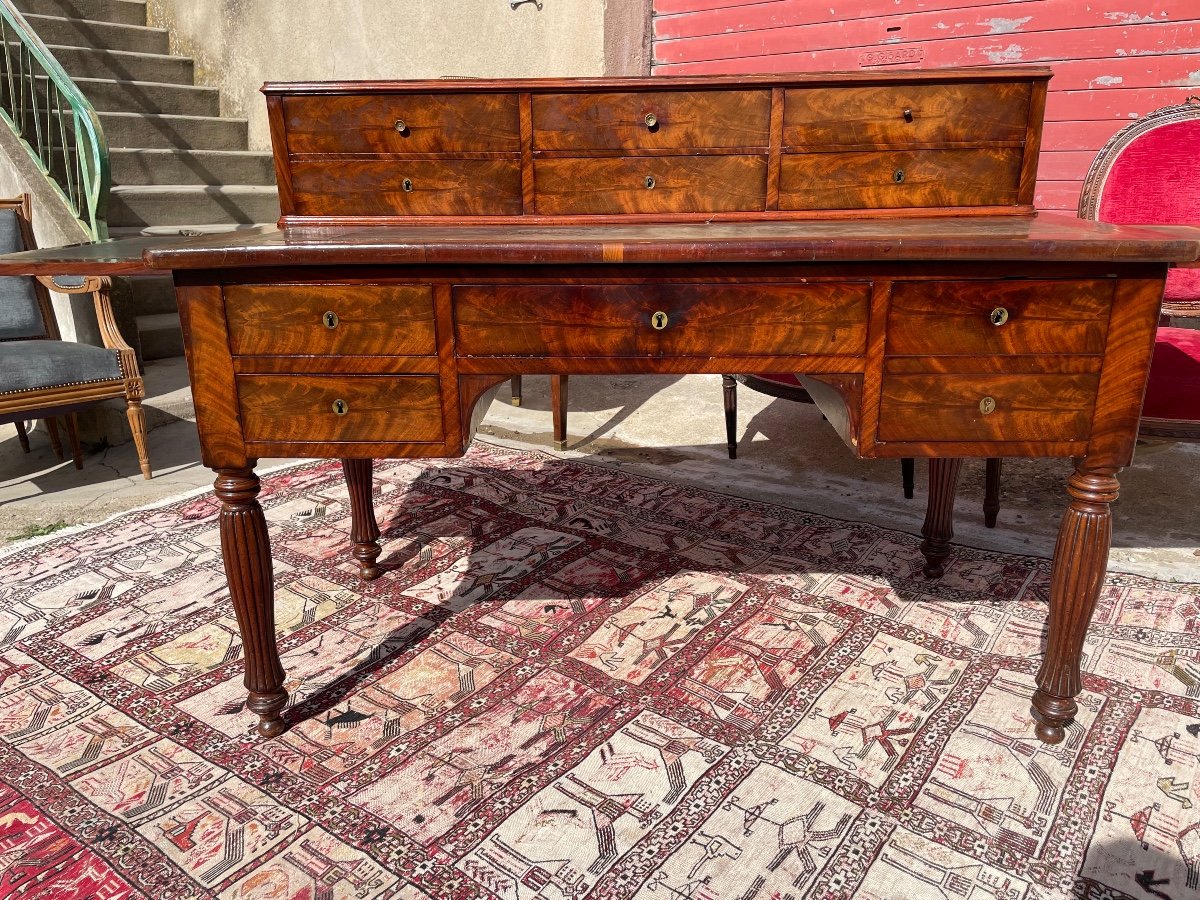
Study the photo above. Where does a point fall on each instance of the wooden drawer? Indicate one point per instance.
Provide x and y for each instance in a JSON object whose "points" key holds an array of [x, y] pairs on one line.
{"points": [[407, 187], [433, 123], [681, 119], [378, 408], [702, 320], [292, 319], [894, 179], [954, 318], [874, 116], [650, 184], [921, 407]]}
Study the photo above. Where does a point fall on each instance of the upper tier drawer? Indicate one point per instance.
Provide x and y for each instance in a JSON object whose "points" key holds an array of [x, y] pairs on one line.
{"points": [[650, 120], [963, 318], [403, 123], [893, 179], [815, 118], [703, 320], [342, 319], [650, 184]]}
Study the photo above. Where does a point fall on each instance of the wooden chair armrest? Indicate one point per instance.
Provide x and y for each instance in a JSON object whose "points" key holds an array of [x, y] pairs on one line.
{"points": [[99, 286]]}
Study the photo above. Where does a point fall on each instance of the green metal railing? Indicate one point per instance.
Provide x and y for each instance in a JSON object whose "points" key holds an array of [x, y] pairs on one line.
{"points": [[56, 123]]}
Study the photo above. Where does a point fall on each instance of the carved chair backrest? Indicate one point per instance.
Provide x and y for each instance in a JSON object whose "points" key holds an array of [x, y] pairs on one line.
{"points": [[25, 309], [1149, 174]]}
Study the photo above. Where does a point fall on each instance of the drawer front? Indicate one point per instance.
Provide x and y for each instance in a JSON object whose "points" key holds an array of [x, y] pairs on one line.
{"points": [[407, 187], [900, 179], [1026, 407], [432, 123], [902, 115], [698, 319], [962, 318], [376, 408], [678, 119], [650, 184], [294, 319]]}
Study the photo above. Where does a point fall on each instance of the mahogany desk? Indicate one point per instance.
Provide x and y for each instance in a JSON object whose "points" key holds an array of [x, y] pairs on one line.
{"points": [[871, 232]]}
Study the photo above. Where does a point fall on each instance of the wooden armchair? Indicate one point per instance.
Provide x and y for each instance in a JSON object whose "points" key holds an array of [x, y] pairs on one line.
{"points": [[43, 376]]}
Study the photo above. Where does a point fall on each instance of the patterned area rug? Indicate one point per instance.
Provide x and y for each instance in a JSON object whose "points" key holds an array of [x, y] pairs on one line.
{"points": [[573, 682]]}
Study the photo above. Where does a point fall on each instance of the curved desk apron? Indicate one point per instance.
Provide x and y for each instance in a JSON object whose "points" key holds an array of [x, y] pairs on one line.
{"points": [[441, 237]]}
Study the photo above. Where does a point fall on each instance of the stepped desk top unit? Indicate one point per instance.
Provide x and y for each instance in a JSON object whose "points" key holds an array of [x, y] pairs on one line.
{"points": [[873, 232]]}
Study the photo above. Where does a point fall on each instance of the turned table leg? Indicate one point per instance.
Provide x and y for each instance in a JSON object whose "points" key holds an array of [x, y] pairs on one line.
{"points": [[364, 530], [246, 550], [1076, 575], [939, 515]]}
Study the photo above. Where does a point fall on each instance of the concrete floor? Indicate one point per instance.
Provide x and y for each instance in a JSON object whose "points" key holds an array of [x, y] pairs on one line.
{"points": [[673, 426]]}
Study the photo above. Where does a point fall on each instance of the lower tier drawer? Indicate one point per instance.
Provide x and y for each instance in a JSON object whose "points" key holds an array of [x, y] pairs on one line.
{"points": [[920, 407], [340, 408], [607, 320]]}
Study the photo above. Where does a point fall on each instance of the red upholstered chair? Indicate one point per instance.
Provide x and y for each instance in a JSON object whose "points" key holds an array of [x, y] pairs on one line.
{"points": [[1149, 174]]}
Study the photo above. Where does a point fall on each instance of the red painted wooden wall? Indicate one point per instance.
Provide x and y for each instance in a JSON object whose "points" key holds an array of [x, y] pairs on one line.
{"points": [[1113, 60]]}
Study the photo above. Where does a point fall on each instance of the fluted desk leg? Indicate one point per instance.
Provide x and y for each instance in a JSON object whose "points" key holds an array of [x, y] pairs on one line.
{"points": [[1080, 558], [246, 550], [364, 530], [939, 515]]}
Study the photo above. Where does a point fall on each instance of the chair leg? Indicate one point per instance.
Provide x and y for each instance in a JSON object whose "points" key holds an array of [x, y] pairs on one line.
{"points": [[729, 386], [991, 498], [137, 424], [55, 442], [908, 475], [22, 436], [516, 390], [938, 529], [73, 436], [558, 404]]}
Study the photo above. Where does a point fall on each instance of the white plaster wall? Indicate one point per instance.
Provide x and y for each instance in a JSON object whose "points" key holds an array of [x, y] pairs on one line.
{"points": [[239, 44]]}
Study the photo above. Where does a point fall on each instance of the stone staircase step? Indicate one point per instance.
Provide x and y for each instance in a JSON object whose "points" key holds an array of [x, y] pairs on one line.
{"points": [[92, 33], [191, 167], [161, 336], [86, 62], [125, 12], [141, 132], [172, 204], [110, 95]]}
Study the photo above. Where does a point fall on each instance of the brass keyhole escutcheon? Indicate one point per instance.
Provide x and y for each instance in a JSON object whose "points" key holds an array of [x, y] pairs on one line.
{"points": [[908, 116], [330, 319], [999, 315], [407, 185], [341, 407], [987, 405], [401, 126], [898, 176], [659, 321], [651, 120], [649, 182]]}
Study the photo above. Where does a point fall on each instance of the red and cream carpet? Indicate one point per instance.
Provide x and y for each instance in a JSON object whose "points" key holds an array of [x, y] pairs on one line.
{"points": [[573, 682]]}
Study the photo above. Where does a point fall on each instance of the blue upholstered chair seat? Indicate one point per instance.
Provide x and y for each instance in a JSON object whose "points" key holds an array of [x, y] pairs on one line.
{"points": [[33, 365]]}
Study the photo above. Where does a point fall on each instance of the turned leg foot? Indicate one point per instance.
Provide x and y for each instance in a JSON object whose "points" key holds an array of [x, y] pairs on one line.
{"points": [[364, 530], [73, 437], [1077, 574], [729, 387], [55, 440], [558, 403], [938, 529], [991, 497], [516, 390], [22, 436], [908, 476], [246, 550], [137, 426]]}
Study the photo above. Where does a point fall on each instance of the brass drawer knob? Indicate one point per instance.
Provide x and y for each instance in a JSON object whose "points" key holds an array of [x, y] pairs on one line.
{"points": [[407, 185], [341, 407], [330, 319], [908, 116], [401, 126], [998, 316], [987, 405], [651, 120], [659, 321], [898, 176], [650, 182]]}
